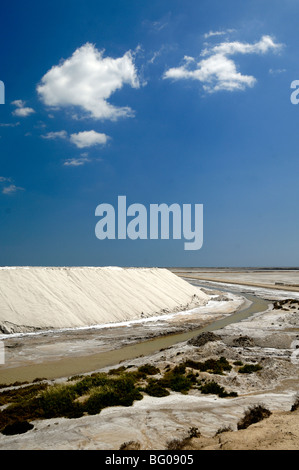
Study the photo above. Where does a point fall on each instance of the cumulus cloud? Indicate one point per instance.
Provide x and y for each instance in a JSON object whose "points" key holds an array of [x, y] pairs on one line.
{"points": [[80, 139], [21, 110], [87, 80], [217, 70], [55, 135], [88, 139]]}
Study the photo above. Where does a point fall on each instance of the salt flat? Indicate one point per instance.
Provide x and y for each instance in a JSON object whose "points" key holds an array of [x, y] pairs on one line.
{"points": [[269, 337]]}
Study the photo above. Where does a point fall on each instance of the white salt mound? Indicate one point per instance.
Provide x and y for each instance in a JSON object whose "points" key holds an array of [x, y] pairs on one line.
{"points": [[69, 297]]}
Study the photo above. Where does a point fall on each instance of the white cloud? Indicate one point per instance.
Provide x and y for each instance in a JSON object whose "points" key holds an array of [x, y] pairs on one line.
{"points": [[265, 44], [76, 161], [277, 71], [154, 56], [4, 179], [18, 103], [87, 80], [11, 189], [217, 71], [55, 135], [88, 139], [15, 124], [21, 110], [159, 25], [218, 33]]}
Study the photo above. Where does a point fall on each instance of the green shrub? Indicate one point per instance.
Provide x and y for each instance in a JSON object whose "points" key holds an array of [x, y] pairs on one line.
{"points": [[249, 368], [215, 389], [118, 371], [192, 377], [176, 381], [82, 386], [58, 401], [61, 400], [25, 411], [155, 389], [21, 394], [100, 399], [116, 392], [179, 370], [210, 365], [148, 369], [89, 382]]}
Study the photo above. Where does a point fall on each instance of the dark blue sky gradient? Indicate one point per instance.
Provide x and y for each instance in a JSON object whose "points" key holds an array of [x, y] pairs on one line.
{"points": [[234, 152]]}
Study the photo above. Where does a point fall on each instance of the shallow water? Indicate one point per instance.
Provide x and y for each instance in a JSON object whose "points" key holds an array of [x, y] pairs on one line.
{"points": [[83, 364]]}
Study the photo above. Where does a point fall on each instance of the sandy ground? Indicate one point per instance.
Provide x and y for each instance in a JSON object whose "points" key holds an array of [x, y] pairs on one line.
{"points": [[280, 431], [270, 338]]}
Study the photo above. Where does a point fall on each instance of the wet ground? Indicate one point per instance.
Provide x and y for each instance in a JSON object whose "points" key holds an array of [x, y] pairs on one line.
{"points": [[54, 354], [269, 337]]}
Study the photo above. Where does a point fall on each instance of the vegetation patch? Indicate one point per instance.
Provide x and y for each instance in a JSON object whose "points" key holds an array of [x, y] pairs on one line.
{"points": [[148, 369], [238, 363], [130, 445], [89, 394], [18, 427], [155, 389], [180, 444], [216, 389], [249, 368], [295, 405], [62, 400], [23, 393], [117, 392], [117, 371], [223, 429], [254, 414], [176, 380], [214, 366], [58, 401]]}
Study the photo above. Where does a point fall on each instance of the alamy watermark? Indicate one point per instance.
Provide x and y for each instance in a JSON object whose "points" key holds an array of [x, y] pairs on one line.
{"points": [[153, 225], [294, 95], [2, 92]]}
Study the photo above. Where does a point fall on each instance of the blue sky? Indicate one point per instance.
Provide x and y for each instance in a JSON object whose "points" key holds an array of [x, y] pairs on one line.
{"points": [[169, 101]]}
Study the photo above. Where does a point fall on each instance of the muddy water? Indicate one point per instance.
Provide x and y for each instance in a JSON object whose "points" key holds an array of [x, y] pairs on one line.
{"points": [[83, 364]]}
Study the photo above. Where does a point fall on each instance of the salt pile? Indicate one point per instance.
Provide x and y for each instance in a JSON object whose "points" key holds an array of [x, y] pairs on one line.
{"points": [[33, 298]]}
